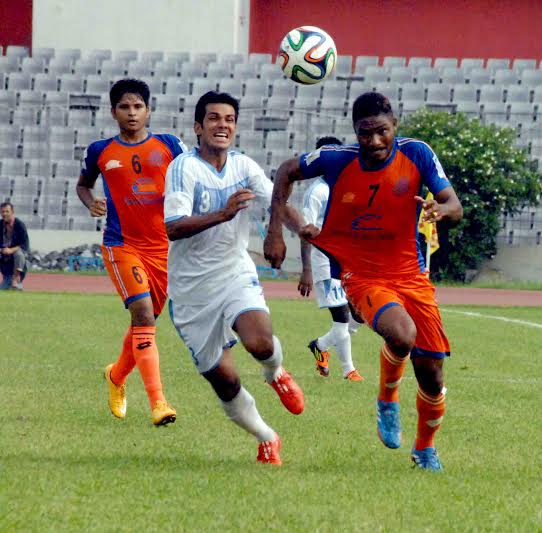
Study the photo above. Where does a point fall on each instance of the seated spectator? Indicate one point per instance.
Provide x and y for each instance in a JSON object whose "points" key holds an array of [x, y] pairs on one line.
{"points": [[13, 248]]}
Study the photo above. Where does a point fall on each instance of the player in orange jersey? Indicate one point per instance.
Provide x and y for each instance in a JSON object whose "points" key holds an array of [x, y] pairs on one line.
{"points": [[133, 166], [370, 234]]}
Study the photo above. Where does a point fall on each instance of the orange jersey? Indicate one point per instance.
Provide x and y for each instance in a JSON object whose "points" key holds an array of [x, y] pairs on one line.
{"points": [[134, 181], [370, 226]]}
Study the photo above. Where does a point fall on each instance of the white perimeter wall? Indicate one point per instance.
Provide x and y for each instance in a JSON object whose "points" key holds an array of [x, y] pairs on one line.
{"points": [[144, 25]]}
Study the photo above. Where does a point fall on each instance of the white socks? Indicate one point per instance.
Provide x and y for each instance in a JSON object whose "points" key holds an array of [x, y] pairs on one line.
{"points": [[272, 367], [339, 337], [242, 410], [353, 325]]}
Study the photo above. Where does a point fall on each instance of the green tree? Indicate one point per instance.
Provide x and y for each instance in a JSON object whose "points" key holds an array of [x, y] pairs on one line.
{"points": [[490, 176]]}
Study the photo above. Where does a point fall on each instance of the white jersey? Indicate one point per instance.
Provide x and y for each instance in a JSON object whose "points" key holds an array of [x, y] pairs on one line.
{"points": [[201, 266], [314, 208]]}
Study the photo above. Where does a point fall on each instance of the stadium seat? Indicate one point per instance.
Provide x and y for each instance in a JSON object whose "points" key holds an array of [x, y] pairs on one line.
{"points": [[427, 75], [203, 57], [376, 74], [161, 122], [191, 70], [30, 98], [35, 134], [99, 55], [394, 61], [9, 133], [8, 149], [97, 84], [343, 66], [521, 113], [38, 167], [26, 186], [61, 151], [84, 135], [244, 71], [452, 75], [494, 113], [250, 141], [12, 167], [139, 69], [152, 56], [491, 93], [60, 65], [231, 86], [279, 104], [112, 68], [8, 98], [256, 87], [79, 117], [471, 109], [468, 63], [357, 88], [517, 93], [218, 70], [531, 77], [464, 93], [71, 83], [479, 76], [505, 77], [401, 74], [44, 53], [202, 85], [271, 72], [177, 86], [86, 67], [362, 62], [25, 206], [166, 103], [417, 62], [156, 85], [442, 62], [497, 63], [277, 140], [307, 101], [19, 81], [283, 87], [6, 187], [389, 89], [9, 64], [231, 59], [166, 69], [73, 54], [438, 94], [25, 116], [408, 107], [55, 222], [32, 65], [519, 65], [178, 57], [259, 59], [45, 82], [66, 168], [125, 56], [17, 51]]}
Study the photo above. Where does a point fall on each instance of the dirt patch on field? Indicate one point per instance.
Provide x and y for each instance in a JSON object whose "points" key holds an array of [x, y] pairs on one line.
{"points": [[288, 290]]}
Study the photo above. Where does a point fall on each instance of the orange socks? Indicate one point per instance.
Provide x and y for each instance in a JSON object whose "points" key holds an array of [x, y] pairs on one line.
{"points": [[125, 363], [431, 411], [391, 373], [148, 361]]}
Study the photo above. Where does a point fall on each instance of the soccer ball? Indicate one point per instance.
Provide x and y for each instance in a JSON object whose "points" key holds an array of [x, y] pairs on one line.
{"points": [[307, 55]]}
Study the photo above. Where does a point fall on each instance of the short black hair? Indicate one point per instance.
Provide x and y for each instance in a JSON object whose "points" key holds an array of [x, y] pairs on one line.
{"points": [[6, 204], [322, 141], [129, 85], [214, 97], [370, 104]]}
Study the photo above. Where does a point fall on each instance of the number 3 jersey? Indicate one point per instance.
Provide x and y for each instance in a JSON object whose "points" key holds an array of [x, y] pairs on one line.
{"points": [[202, 266], [134, 182], [370, 226]]}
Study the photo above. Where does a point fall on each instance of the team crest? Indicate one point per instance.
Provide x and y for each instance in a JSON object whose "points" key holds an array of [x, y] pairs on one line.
{"points": [[156, 158], [348, 197], [401, 186]]}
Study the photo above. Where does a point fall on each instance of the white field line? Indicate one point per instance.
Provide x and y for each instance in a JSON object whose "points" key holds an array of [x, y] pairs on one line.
{"points": [[494, 317]]}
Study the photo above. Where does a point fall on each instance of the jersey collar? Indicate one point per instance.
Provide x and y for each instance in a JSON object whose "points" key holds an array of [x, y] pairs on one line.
{"points": [[120, 141]]}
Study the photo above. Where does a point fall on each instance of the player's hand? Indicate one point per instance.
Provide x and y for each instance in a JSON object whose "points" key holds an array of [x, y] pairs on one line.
{"points": [[432, 210], [98, 207], [6, 251], [305, 284], [237, 201], [310, 231], [274, 249]]}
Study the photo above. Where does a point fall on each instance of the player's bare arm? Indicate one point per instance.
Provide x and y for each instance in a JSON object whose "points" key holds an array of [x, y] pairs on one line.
{"points": [[274, 247], [444, 207], [188, 226], [305, 280], [96, 206]]}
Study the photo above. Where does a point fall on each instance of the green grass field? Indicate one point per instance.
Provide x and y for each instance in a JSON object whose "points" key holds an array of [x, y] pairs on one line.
{"points": [[67, 465]]}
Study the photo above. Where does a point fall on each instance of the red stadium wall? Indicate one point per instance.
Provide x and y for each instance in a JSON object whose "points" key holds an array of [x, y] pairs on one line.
{"points": [[16, 22], [431, 28]]}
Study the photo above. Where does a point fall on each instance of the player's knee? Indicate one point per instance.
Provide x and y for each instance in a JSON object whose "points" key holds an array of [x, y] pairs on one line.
{"points": [[403, 342], [260, 346], [227, 388], [429, 375]]}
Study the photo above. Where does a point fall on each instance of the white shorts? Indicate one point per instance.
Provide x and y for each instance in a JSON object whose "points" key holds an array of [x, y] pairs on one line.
{"points": [[329, 293], [207, 329]]}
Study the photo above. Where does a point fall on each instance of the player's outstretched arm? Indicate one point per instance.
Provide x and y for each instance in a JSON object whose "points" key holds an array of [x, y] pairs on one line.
{"points": [[444, 207], [274, 247], [96, 206], [188, 226]]}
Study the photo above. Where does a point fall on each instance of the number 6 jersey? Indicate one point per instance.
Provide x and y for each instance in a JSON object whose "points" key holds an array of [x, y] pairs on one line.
{"points": [[370, 225], [134, 182]]}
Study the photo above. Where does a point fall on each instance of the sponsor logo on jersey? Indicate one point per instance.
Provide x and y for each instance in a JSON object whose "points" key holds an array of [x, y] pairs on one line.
{"points": [[313, 156], [366, 222], [113, 163], [144, 186], [348, 197]]}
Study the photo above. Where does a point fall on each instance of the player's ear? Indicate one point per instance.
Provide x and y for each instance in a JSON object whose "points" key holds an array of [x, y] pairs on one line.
{"points": [[197, 128], [395, 124]]}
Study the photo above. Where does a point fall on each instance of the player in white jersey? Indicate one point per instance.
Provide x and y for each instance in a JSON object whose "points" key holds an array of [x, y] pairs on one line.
{"points": [[329, 291], [212, 281]]}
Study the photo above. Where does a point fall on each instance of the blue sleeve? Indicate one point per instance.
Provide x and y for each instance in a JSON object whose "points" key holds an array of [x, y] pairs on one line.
{"points": [[89, 168], [175, 145], [313, 164], [430, 168]]}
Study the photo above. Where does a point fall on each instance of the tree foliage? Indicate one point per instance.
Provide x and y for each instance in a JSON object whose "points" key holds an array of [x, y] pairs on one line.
{"points": [[490, 176]]}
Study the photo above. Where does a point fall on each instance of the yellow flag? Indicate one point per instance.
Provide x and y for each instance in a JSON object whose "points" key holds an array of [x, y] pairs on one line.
{"points": [[429, 230]]}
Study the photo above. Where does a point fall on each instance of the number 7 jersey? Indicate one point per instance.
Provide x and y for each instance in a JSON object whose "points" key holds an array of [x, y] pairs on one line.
{"points": [[370, 227], [134, 183]]}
